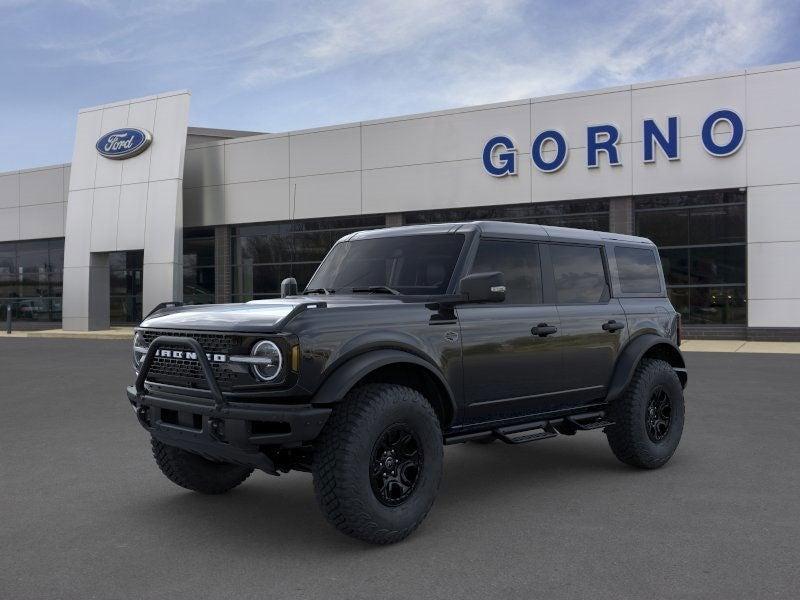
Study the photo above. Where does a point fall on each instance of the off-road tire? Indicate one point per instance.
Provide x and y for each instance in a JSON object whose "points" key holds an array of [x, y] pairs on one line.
{"points": [[193, 472], [343, 456], [628, 436]]}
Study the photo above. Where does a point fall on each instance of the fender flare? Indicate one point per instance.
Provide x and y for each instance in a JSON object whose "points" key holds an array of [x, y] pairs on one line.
{"points": [[632, 354], [344, 377]]}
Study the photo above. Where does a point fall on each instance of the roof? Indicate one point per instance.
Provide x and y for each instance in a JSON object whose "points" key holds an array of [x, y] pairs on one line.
{"points": [[504, 228]]}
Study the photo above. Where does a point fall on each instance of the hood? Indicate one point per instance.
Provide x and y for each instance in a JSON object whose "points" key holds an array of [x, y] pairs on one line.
{"points": [[260, 316]]}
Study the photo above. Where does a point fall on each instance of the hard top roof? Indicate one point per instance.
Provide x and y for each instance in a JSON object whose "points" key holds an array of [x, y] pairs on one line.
{"points": [[503, 228]]}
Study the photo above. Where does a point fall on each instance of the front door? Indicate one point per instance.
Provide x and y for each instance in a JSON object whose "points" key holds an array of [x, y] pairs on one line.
{"points": [[593, 325], [511, 352]]}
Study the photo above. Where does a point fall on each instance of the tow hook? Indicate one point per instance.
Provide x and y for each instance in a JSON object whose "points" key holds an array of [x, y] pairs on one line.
{"points": [[143, 414], [217, 428]]}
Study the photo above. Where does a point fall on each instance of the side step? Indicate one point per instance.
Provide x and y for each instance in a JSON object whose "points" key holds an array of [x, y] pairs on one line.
{"points": [[538, 430], [524, 437]]}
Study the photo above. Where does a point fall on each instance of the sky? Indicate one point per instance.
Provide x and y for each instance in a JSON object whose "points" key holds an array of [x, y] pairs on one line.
{"points": [[283, 65]]}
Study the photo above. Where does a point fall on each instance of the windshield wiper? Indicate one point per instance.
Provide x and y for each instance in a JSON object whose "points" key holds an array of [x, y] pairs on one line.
{"points": [[376, 289], [321, 290]]}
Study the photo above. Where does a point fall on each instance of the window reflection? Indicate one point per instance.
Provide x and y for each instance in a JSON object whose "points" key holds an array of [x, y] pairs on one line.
{"points": [[702, 243]]}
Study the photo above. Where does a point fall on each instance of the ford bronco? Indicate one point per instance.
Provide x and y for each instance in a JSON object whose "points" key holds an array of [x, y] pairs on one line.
{"points": [[408, 339]]}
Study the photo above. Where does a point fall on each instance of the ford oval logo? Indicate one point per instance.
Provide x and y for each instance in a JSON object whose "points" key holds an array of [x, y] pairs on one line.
{"points": [[123, 143]]}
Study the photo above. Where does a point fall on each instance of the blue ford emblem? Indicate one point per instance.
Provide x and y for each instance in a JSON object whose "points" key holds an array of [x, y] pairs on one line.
{"points": [[123, 143]]}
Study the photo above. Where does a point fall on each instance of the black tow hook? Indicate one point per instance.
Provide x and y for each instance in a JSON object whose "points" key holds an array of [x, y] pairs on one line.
{"points": [[143, 414], [217, 428]]}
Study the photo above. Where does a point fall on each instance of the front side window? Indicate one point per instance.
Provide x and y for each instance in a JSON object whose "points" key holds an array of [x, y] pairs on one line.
{"points": [[410, 264], [519, 264], [638, 272], [579, 274]]}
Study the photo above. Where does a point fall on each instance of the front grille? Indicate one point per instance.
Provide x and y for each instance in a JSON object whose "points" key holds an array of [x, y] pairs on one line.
{"points": [[188, 373]]}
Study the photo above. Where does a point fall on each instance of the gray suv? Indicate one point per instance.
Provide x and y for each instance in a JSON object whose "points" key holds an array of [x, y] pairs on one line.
{"points": [[406, 340]]}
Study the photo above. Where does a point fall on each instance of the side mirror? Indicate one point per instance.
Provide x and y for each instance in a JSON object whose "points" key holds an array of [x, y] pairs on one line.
{"points": [[483, 287], [288, 287]]}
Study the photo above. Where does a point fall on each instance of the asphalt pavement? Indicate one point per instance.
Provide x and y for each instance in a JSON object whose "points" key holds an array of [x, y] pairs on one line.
{"points": [[85, 513]]}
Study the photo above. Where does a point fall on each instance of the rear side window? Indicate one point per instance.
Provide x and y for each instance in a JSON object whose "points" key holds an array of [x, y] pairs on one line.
{"points": [[579, 274], [638, 271], [519, 263]]}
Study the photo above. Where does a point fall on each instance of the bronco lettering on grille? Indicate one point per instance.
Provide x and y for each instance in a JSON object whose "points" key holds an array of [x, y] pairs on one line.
{"points": [[184, 355]]}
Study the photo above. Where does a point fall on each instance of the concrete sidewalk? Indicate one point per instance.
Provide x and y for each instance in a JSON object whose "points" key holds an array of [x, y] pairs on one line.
{"points": [[115, 333], [740, 346]]}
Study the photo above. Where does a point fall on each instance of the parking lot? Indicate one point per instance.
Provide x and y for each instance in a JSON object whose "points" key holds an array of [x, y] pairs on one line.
{"points": [[85, 513]]}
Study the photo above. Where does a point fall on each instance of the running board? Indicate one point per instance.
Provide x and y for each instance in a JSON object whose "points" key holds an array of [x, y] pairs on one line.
{"points": [[537, 430]]}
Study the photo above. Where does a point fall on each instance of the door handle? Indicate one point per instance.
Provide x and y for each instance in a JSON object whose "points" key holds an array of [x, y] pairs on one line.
{"points": [[612, 326], [543, 330]]}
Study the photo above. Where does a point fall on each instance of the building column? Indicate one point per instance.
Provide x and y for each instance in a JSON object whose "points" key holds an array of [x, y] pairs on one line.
{"points": [[86, 303], [620, 217], [222, 264]]}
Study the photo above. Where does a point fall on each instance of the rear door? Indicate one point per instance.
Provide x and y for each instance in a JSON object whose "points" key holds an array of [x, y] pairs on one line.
{"points": [[511, 351], [593, 325]]}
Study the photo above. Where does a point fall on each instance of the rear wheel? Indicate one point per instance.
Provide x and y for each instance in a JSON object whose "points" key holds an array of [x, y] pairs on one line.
{"points": [[648, 418], [378, 463], [193, 472]]}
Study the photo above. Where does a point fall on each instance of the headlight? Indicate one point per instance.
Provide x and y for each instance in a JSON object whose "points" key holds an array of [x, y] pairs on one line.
{"points": [[269, 360], [139, 349]]}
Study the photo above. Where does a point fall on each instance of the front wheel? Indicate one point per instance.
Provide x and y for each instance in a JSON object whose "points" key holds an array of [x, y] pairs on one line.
{"points": [[193, 472], [648, 418], [378, 463]]}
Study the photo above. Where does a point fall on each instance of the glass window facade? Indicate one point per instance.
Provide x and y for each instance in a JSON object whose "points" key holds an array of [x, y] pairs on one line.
{"points": [[583, 214], [31, 276], [263, 255], [702, 240], [199, 274], [126, 286]]}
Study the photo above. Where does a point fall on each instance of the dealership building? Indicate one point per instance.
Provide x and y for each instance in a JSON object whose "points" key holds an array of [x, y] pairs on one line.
{"points": [[152, 210]]}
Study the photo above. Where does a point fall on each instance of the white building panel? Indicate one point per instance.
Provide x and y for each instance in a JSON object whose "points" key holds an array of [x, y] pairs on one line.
{"points": [[257, 160], [9, 224], [105, 217], [773, 214], [109, 172], [325, 151], [42, 186], [691, 100], [131, 219], [773, 156], [571, 114], [442, 185], [85, 157], [142, 115], [41, 221], [696, 170], [9, 190], [326, 195], [575, 180], [258, 201], [441, 138], [169, 137], [773, 98]]}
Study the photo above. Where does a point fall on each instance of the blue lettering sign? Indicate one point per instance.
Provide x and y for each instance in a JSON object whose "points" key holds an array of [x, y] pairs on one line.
{"points": [[707, 135], [602, 138], [561, 151], [652, 135], [507, 158]]}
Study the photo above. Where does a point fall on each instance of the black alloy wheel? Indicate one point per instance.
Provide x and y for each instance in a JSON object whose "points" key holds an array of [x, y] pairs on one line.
{"points": [[396, 465], [659, 414]]}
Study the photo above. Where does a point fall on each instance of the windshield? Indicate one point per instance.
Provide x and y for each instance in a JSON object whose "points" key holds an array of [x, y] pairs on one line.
{"points": [[408, 264]]}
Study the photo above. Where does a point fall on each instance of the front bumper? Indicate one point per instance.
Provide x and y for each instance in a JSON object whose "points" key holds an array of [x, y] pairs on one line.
{"points": [[234, 433], [221, 430]]}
